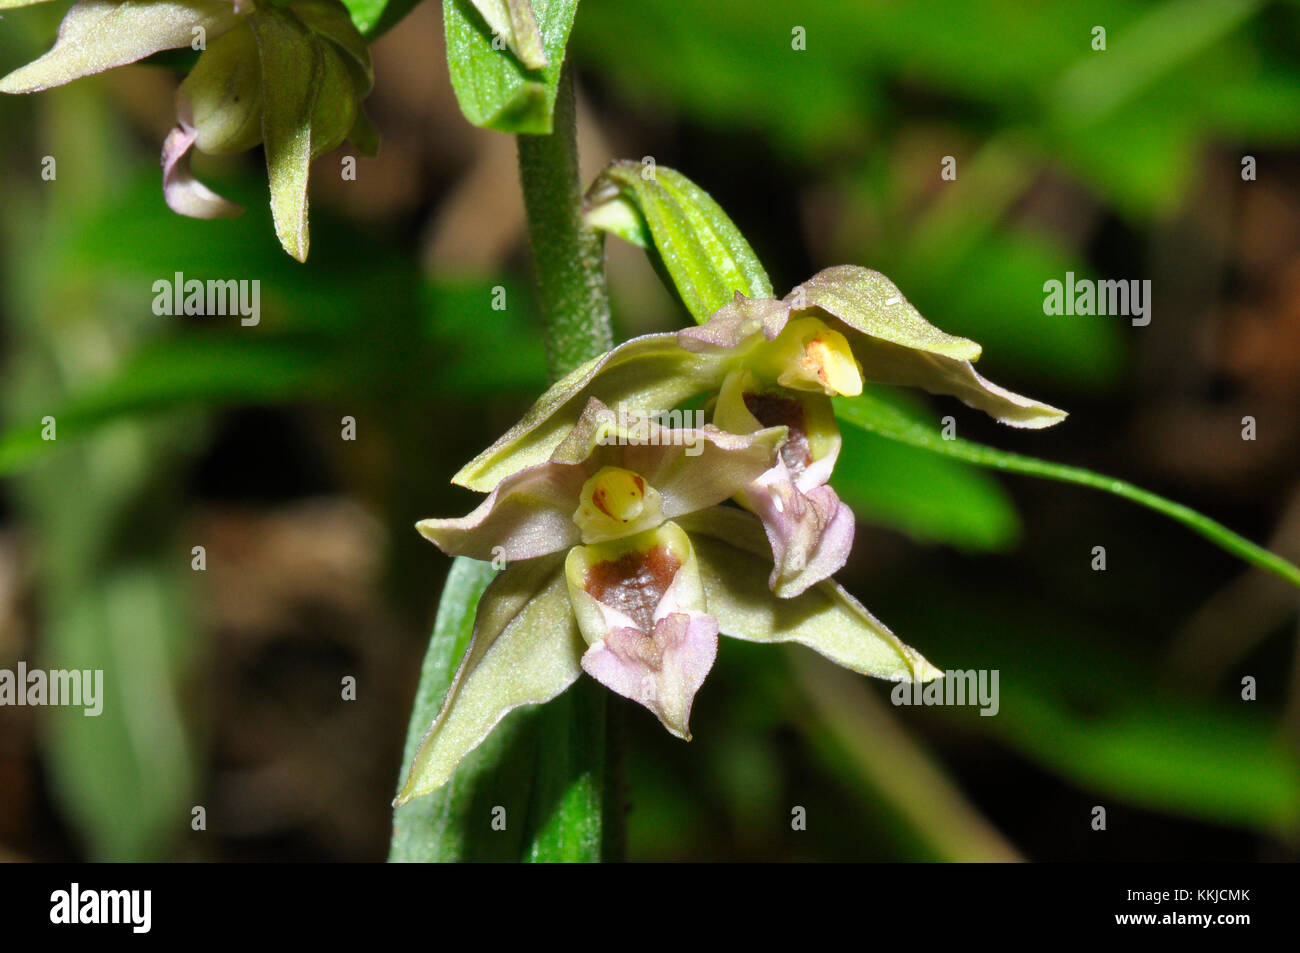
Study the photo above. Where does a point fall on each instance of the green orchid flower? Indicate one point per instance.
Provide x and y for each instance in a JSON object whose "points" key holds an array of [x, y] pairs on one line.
{"points": [[622, 565], [288, 75], [775, 362]]}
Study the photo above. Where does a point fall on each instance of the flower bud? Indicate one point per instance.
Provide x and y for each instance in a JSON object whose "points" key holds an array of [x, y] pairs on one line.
{"points": [[222, 96]]}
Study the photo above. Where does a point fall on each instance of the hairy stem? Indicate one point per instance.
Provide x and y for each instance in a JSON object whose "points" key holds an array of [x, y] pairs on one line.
{"points": [[577, 768], [570, 257]]}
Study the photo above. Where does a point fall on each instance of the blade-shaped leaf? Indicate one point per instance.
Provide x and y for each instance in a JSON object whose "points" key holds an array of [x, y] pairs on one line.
{"points": [[291, 66], [873, 414], [734, 563], [525, 650], [700, 247], [375, 17], [100, 34], [494, 88]]}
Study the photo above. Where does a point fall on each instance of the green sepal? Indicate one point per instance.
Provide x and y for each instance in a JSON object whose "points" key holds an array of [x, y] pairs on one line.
{"points": [[292, 69], [651, 372], [526, 650], [735, 559], [97, 35]]}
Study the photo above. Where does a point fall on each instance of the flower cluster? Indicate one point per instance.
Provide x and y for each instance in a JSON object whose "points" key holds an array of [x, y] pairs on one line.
{"points": [[289, 75], [624, 560]]}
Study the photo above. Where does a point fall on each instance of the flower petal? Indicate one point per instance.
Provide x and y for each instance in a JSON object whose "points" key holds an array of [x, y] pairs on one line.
{"points": [[526, 650], [898, 346], [869, 302], [639, 603], [692, 468], [531, 512], [811, 534], [661, 671], [97, 35], [732, 554], [291, 72], [185, 194], [650, 372]]}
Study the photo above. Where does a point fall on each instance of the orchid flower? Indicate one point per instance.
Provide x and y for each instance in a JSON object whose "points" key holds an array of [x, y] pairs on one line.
{"points": [[776, 362], [621, 564], [290, 76]]}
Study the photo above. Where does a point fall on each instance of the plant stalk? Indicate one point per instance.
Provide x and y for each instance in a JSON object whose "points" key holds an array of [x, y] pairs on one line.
{"points": [[578, 768]]}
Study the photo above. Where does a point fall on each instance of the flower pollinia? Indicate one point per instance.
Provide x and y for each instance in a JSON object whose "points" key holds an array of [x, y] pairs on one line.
{"points": [[776, 363], [621, 563], [287, 74]]}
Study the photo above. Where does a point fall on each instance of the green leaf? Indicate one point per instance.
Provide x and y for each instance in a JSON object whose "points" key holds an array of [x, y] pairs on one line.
{"points": [[291, 71], [877, 416], [494, 88], [178, 373], [704, 253], [97, 35], [1084, 705], [374, 17], [330, 19], [451, 824], [525, 651], [735, 560]]}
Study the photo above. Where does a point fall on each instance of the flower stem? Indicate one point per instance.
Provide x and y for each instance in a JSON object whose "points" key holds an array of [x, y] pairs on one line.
{"points": [[577, 767], [570, 257]]}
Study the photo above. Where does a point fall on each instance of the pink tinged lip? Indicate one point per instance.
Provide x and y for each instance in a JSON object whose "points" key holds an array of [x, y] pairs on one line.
{"points": [[661, 661]]}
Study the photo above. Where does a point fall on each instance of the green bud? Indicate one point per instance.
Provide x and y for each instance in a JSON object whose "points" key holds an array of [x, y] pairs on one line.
{"points": [[222, 96], [335, 111]]}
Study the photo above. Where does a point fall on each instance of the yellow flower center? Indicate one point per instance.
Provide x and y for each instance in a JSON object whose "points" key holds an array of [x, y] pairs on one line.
{"points": [[616, 502], [808, 355]]}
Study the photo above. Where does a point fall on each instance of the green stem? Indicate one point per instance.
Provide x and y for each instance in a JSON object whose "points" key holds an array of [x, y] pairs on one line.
{"points": [[883, 419], [570, 257], [578, 761]]}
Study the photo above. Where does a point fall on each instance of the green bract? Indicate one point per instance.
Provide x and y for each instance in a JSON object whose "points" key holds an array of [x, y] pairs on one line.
{"points": [[289, 76]]}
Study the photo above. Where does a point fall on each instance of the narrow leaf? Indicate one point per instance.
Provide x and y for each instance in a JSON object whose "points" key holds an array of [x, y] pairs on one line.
{"points": [[876, 416], [703, 252]]}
